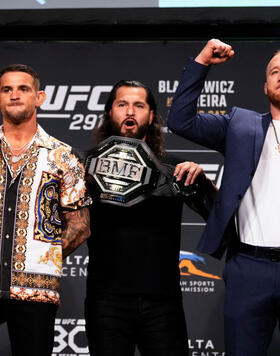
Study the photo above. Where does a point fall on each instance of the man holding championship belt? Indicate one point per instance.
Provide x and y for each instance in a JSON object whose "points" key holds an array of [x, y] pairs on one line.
{"points": [[133, 292]]}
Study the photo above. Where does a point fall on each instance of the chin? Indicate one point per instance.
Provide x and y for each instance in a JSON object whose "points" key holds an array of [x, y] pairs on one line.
{"points": [[129, 134]]}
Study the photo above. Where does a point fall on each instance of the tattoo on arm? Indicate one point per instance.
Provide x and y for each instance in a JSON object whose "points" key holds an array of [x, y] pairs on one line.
{"points": [[76, 229]]}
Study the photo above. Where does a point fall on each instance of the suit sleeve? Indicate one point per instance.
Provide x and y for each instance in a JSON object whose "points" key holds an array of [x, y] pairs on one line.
{"points": [[205, 129]]}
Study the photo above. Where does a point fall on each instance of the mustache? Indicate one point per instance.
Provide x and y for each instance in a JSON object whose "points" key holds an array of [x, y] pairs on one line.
{"points": [[130, 118], [15, 104]]}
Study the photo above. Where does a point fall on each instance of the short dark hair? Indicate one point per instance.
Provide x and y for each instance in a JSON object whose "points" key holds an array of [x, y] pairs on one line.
{"points": [[22, 68], [154, 135]]}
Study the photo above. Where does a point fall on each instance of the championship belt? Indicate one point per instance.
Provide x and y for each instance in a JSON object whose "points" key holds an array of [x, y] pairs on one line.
{"points": [[122, 171]]}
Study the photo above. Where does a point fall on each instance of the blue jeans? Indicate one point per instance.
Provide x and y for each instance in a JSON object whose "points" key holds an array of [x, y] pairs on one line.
{"points": [[115, 325]]}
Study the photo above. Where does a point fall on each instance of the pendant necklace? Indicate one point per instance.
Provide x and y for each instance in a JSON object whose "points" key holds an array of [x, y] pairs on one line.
{"points": [[17, 152], [276, 137]]}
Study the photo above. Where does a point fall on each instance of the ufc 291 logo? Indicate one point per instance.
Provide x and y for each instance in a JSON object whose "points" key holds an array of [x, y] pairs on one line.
{"points": [[82, 104], [70, 338]]}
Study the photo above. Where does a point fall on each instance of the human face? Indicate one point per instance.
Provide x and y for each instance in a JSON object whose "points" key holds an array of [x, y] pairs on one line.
{"points": [[130, 113], [272, 85], [19, 98]]}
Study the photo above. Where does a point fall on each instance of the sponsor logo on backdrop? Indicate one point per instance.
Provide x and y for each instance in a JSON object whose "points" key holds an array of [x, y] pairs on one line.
{"points": [[70, 338], [213, 98], [195, 275], [75, 266], [203, 347], [82, 105]]}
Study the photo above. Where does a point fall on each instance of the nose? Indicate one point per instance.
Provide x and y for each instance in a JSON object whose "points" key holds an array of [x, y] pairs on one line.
{"points": [[130, 110], [14, 95]]}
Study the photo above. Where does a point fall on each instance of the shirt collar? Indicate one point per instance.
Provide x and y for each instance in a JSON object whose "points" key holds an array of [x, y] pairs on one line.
{"points": [[42, 139]]}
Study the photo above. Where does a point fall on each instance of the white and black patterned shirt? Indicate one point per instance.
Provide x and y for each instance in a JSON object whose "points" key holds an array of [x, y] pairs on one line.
{"points": [[47, 182]]}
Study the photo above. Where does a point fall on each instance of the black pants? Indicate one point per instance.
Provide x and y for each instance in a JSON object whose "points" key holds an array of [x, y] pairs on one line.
{"points": [[115, 325], [30, 326]]}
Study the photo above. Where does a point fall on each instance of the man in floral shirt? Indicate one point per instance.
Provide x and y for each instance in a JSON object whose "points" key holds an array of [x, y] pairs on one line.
{"points": [[43, 214]]}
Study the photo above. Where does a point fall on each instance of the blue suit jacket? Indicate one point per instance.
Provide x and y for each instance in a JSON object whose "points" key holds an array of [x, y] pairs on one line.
{"points": [[239, 136]]}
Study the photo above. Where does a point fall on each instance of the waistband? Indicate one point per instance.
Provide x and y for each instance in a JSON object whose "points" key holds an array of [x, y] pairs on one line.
{"points": [[270, 253]]}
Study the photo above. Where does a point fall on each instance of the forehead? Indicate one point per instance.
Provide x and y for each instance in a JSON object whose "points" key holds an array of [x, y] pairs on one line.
{"points": [[16, 78], [275, 62], [131, 93]]}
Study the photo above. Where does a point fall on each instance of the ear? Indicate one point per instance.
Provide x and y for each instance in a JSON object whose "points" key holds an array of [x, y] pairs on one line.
{"points": [[41, 97], [151, 118], [265, 88]]}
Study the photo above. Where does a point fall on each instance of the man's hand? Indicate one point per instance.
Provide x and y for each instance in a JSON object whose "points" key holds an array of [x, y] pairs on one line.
{"points": [[76, 230], [193, 170], [215, 52]]}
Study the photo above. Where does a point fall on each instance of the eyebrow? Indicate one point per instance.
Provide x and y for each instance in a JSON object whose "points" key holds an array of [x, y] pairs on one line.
{"points": [[18, 86], [136, 102], [274, 67]]}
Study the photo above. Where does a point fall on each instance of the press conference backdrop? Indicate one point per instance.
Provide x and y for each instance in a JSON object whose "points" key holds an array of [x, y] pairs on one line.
{"points": [[77, 78]]}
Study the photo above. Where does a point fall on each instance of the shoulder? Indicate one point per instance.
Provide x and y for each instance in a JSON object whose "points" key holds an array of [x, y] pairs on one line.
{"points": [[243, 111], [242, 115], [57, 144], [43, 139]]}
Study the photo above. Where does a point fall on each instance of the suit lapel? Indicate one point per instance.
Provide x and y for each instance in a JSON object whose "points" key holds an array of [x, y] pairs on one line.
{"points": [[262, 124]]}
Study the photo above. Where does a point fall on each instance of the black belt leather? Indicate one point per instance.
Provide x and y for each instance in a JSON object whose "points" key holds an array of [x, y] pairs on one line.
{"points": [[270, 253]]}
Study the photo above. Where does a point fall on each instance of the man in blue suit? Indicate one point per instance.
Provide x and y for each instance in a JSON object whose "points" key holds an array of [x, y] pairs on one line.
{"points": [[245, 217]]}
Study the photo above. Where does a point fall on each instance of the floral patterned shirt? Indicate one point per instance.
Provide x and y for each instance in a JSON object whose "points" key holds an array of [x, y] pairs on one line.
{"points": [[47, 181]]}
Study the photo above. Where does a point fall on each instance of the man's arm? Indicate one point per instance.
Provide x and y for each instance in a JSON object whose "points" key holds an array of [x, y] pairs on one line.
{"points": [[76, 229], [205, 129]]}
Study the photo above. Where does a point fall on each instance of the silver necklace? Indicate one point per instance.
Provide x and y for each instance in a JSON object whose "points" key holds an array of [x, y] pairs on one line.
{"points": [[16, 156], [16, 149], [276, 137]]}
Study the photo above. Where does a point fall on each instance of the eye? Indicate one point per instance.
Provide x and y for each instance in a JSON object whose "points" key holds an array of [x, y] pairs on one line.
{"points": [[24, 88], [121, 105], [6, 90]]}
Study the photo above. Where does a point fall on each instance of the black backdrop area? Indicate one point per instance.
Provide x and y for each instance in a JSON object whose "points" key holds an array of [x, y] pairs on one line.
{"points": [[77, 77]]}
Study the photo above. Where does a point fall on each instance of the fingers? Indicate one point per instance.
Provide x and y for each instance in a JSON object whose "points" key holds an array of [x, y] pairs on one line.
{"points": [[193, 170], [215, 52], [221, 51]]}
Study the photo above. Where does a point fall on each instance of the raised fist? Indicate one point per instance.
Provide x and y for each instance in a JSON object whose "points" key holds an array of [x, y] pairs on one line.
{"points": [[215, 52]]}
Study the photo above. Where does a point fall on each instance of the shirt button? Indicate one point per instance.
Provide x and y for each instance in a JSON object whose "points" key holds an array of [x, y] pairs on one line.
{"points": [[7, 236], [9, 208], [6, 264]]}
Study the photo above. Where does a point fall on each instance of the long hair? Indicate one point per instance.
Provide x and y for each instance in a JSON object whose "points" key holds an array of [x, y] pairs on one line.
{"points": [[154, 135]]}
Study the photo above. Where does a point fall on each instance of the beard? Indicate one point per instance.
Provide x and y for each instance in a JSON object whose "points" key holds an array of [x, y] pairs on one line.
{"points": [[17, 117], [139, 133], [274, 98]]}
